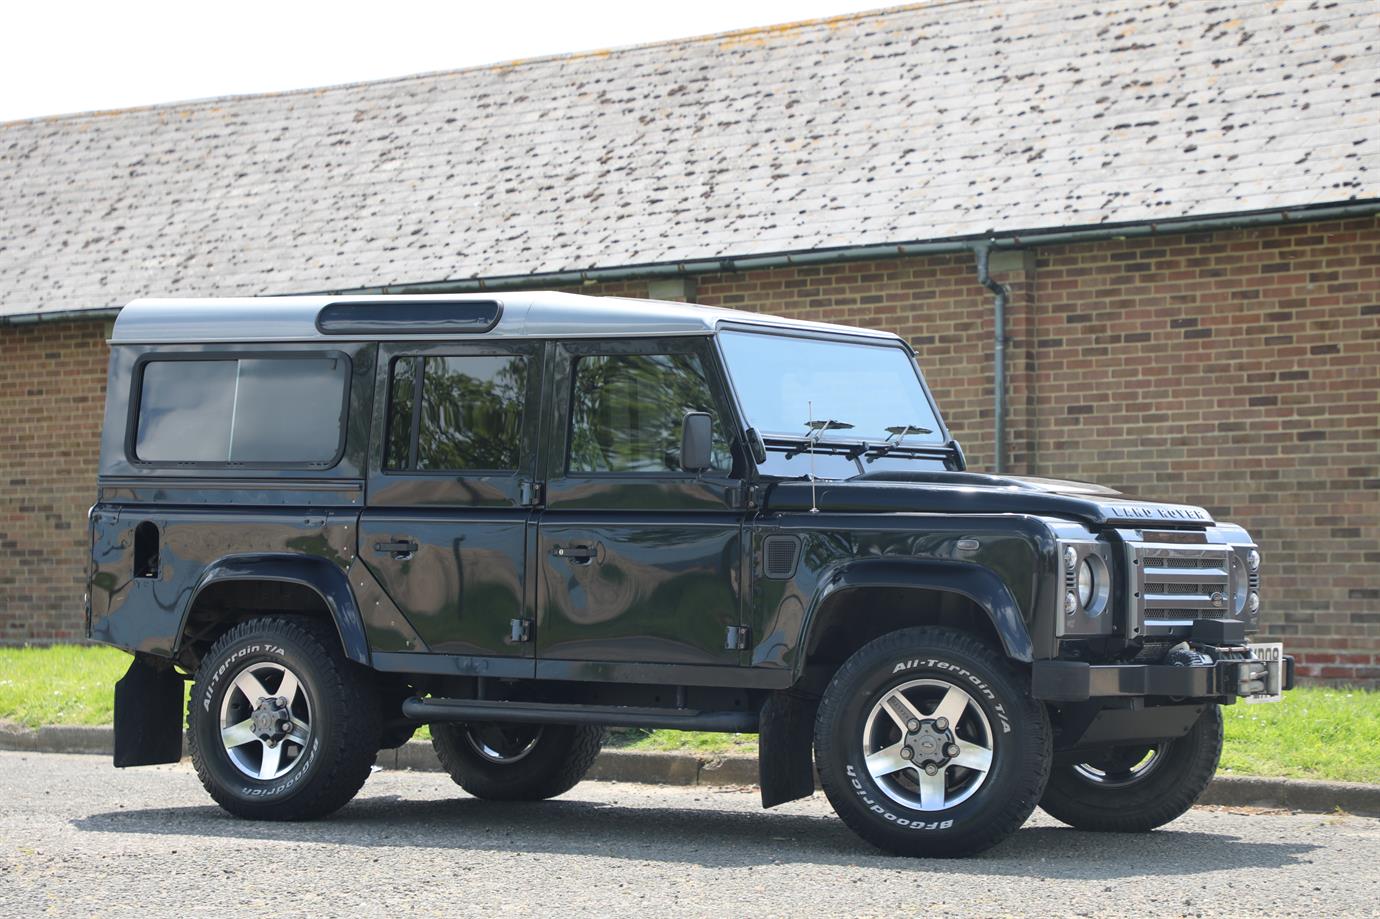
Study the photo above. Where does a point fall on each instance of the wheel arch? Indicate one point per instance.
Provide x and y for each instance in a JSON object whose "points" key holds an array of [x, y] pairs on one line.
{"points": [[282, 582], [907, 592]]}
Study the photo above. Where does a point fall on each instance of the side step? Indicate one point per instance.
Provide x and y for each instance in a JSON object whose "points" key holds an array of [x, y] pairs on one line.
{"points": [[618, 716]]}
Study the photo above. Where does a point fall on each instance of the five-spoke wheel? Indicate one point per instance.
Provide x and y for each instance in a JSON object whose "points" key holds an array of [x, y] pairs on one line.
{"points": [[280, 725], [516, 762], [1137, 787], [928, 745], [265, 720]]}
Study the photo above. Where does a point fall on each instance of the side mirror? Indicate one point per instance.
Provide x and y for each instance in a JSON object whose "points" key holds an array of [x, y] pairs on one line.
{"points": [[756, 447], [696, 441]]}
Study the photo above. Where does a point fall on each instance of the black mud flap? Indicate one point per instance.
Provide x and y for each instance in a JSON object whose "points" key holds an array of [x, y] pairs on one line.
{"points": [[785, 742], [148, 715]]}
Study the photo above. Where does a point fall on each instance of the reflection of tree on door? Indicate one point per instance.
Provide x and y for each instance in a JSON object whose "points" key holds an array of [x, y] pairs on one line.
{"points": [[627, 410], [471, 412]]}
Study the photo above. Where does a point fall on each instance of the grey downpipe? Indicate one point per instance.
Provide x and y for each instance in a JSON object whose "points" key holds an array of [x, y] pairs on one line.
{"points": [[998, 355]]}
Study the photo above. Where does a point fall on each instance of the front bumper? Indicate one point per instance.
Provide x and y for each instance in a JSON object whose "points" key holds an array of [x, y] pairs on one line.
{"points": [[1074, 681]]}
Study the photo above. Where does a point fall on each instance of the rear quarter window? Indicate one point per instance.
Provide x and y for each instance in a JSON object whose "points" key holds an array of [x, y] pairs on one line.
{"points": [[261, 410]]}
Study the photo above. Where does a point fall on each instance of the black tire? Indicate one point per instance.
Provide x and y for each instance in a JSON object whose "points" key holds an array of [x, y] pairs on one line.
{"points": [[335, 700], [513, 762], [1112, 797], [995, 703]]}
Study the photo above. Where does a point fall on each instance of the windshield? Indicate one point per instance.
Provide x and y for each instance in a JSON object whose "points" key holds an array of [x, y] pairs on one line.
{"points": [[851, 392]]}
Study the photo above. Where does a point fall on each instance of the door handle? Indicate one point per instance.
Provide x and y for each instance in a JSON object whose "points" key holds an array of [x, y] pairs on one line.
{"points": [[398, 549], [576, 555]]}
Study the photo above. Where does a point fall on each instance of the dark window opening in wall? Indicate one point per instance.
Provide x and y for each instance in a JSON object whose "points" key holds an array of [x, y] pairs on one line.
{"points": [[274, 411], [465, 415]]}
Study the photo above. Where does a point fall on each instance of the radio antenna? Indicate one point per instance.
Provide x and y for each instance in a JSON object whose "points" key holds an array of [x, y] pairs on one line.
{"points": [[810, 439]]}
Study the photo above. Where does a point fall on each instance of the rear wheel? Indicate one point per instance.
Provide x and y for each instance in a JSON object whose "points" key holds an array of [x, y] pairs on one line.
{"points": [[280, 725], [1133, 789], [516, 762], [927, 743]]}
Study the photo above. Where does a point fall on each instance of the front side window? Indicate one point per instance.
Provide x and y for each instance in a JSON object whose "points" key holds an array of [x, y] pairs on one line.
{"points": [[262, 410], [627, 411], [466, 414]]}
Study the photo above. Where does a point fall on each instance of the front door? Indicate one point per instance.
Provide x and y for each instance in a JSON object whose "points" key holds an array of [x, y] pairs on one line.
{"points": [[640, 562], [449, 517]]}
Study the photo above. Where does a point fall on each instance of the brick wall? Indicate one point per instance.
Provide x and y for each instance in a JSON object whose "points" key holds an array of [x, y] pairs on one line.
{"points": [[1240, 371], [1234, 370], [52, 397]]}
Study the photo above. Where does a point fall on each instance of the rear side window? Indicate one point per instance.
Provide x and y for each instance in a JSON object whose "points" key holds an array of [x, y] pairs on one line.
{"points": [[259, 410], [465, 415]]}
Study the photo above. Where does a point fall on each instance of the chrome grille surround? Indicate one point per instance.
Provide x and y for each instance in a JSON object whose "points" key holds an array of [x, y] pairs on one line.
{"points": [[1174, 584]]}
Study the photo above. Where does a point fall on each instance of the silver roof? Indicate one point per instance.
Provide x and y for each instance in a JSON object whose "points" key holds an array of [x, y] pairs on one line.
{"points": [[538, 314]]}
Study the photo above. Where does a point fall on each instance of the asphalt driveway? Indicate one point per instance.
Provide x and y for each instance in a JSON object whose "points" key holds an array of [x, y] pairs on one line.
{"points": [[80, 838]]}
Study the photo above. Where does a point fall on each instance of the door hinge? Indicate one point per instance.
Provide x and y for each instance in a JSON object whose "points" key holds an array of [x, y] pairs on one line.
{"points": [[741, 495], [520, 630], [530, 493], [736, 638]]}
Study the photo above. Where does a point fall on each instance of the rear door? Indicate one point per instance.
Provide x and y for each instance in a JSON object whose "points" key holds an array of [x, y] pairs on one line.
{"points": [[640, 563], [449, 511]]}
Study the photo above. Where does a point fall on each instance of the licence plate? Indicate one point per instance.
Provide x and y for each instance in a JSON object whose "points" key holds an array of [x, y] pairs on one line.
{"points": [[1271, 654]]}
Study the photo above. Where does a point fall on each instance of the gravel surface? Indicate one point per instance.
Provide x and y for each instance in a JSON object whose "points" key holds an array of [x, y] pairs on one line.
{"points": [[79, 838]]}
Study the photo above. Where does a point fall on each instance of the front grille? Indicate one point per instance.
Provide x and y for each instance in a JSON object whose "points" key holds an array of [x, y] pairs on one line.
{"points": [[1165, 562], [1179, 583]]}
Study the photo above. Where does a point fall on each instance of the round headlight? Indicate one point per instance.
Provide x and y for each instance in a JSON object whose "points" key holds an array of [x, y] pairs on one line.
{"points": [[1253, 560], [1094, 586], [1070, 557], [1070, 603], [1242, 585], [1254, 602], [1087, 584]]}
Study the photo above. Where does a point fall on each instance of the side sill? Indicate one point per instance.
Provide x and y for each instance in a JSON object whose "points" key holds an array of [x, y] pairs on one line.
{"points": [[454, 664], [727, 677], [476, 710]]}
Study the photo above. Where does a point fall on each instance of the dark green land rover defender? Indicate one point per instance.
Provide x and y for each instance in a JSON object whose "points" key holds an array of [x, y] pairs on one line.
{"points": [[523, 518]]}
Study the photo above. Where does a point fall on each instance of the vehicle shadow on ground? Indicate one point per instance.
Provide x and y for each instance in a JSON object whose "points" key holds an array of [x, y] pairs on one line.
{"points": [[705, 836]]}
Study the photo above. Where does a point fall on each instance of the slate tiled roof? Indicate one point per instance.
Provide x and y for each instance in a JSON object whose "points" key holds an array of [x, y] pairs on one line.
{"points": [[943, 120]]}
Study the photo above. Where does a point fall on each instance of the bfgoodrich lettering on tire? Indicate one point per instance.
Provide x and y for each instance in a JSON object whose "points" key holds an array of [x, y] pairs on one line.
{"points": [[928, 743], [280, 726]]}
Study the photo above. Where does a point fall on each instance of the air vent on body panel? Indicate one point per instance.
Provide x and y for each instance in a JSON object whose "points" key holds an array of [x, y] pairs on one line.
{"points": [[779, 556]]}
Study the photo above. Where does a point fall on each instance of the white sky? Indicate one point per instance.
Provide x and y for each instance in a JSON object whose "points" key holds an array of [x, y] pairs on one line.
{"points": [[66, 56]]}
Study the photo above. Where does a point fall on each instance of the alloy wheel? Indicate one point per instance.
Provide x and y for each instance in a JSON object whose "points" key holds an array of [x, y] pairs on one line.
{"points": [[928, 745], [265, 721]]}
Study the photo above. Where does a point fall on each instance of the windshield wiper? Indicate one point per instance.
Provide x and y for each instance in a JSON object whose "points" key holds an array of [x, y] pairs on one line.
{"points": [[816, 431], [900, 432]]}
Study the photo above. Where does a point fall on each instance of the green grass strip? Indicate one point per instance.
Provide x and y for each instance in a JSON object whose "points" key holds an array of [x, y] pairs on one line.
{"points": [[1315, 733]]}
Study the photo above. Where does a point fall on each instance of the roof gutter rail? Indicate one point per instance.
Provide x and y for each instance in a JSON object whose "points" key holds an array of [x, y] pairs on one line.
{"points": [[1019, 240]]}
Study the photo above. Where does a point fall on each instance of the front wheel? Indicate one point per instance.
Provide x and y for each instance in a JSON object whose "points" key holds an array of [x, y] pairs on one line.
{"points": [[516, 762], [1136, 788], [927, 743]]}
